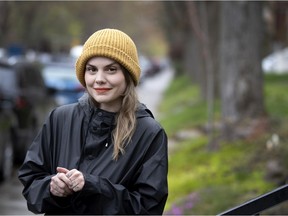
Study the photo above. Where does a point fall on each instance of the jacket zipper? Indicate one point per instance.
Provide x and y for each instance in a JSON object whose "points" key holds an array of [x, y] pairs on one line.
{"points": [[85, 138]]}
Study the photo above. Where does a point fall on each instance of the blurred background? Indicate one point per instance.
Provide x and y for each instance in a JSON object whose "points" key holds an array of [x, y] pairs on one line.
{"points": [[213, 72]]}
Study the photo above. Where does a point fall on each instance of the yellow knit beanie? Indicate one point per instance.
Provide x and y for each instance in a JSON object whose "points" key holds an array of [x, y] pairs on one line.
{"points": [[110, 43]]}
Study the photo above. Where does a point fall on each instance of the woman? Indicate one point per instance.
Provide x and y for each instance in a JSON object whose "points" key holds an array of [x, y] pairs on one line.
{"points": [[105, 154]]}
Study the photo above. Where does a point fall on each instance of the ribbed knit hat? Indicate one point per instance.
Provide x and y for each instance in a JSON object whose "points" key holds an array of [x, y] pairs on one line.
{"points": [[110, 43]]}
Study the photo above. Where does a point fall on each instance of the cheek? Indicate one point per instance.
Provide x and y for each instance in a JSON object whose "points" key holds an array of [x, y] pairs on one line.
{"points": [[123, 88], [88, 79], [121, 85], [117, 80]]}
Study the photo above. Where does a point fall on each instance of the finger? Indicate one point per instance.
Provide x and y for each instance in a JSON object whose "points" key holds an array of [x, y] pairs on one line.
{"points": [[55, 189], [77, 180], [63, 181], [71, 173], [62, 170], [78, 185], [60, 193], [59, 188], [61, 184], [76, 189], [58, 181], [62, 176], [74, 174]]}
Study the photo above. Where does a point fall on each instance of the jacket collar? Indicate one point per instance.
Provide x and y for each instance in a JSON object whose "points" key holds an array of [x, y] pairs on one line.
{"points": [[88, 108]]}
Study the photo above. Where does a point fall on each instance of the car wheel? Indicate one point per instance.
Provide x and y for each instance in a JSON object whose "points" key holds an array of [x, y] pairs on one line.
{"points": [[6, 168]]}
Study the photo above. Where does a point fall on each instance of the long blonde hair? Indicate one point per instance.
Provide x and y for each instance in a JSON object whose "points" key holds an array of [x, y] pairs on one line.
{"points": [[126, 118]]}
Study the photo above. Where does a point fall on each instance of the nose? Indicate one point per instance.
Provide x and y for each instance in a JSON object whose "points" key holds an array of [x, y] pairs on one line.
{"points": [[100, 77]]}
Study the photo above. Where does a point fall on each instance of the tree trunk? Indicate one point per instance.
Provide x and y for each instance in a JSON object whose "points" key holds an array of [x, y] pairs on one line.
{"points": [[175, 27], [240, 62], [5, 8]]}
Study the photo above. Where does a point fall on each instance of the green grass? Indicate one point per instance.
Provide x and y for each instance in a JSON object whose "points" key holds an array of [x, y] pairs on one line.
{"points": [[182, 107], [226, 174], [209, 182], [276, 95]]}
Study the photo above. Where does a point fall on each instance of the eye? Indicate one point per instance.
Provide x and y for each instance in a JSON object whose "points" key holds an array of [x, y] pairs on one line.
{"points": [[90, 68], [112, 69]]}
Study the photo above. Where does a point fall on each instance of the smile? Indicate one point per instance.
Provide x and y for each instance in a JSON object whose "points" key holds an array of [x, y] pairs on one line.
{"points": [[102, 90]]}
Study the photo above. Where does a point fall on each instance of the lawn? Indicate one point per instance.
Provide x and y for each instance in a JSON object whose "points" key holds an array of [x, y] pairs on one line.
{"points": [[204, 182]]}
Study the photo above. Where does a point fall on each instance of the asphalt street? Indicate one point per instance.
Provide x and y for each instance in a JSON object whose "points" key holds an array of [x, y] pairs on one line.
{"points": [[11, 200]]}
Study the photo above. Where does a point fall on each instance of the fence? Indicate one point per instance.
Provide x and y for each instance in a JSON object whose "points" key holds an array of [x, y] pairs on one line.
{"points": [[261, 203]]}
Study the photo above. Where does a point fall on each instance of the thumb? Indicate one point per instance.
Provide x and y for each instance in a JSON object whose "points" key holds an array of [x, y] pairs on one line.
{"points": [[62, 170]]}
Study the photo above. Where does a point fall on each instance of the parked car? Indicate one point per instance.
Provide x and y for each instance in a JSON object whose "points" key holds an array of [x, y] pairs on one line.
{"points": [[149, 67], [276, 62], [7, 122], [22, 85], [61, 78]]}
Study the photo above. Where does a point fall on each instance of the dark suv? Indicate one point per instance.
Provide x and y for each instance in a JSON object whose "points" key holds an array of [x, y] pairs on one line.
{"points": [[22, 86]]}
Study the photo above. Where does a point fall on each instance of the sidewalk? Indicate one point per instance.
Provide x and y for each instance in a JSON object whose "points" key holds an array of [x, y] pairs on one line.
{"points": [[150, 92]]}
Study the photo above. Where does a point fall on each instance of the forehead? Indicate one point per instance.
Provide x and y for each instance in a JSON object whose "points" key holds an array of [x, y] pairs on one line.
{"points": [[99, 60]]}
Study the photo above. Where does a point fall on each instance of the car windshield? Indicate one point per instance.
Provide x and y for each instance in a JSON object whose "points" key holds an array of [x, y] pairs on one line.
{"points": [[60, 77]]}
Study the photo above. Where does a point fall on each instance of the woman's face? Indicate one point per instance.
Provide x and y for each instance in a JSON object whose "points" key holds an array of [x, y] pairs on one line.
{"points": [[105, 82]]}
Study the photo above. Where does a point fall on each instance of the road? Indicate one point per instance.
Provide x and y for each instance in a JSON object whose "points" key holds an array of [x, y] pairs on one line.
{"points": [[11, 200], [150, 93]]}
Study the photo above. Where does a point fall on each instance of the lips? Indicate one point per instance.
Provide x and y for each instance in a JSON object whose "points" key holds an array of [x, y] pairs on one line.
{"points": [[102, 90]]}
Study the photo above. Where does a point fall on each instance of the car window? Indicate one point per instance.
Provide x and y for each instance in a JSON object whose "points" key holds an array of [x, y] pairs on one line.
{"points": [[8, 83], [60, 77]]}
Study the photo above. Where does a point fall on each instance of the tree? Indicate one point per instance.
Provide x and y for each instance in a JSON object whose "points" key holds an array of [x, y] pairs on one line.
{"points": [[241, 78], [221, 47], [57, 25], [5, 8], [192, 31], [177, 31]]}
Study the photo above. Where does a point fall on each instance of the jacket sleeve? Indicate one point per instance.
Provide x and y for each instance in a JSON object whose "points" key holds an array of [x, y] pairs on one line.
{"points": [[36, 172], [149, 191]]}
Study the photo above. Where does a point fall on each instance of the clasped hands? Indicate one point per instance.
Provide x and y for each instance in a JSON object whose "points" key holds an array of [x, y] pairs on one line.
{"points": [[66, 182]]}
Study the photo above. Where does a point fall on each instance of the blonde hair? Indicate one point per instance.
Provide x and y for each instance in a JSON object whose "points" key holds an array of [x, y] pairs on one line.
{"points": [[126, 118]]}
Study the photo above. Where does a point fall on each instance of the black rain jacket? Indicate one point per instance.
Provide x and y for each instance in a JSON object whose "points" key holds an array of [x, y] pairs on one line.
{"points": [[78, 136]]}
